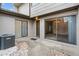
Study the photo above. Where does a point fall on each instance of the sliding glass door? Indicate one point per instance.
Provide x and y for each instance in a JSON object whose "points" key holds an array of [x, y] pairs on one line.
{"points": [[63, 29], [66, 29], [21, 28], [24, 29], [17, 29]]}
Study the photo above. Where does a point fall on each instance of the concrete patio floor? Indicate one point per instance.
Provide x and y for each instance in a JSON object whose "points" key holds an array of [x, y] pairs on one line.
{"points": [[28, 47]]}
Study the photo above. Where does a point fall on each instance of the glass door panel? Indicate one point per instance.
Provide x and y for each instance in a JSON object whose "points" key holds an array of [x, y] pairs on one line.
{"points": [[24, 29], [72, 29], [62, 29], [17, 29]]}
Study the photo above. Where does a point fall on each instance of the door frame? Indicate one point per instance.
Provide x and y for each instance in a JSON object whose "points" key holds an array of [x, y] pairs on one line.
{"points": [[22, 20]]}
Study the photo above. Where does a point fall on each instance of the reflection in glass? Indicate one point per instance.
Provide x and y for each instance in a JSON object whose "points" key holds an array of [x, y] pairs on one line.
{"points": [[62, 30]]}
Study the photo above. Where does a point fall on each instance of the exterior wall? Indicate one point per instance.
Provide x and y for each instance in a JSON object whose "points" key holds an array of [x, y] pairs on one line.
{"points": [[7, 24], [24, 9], [67, 48], [43, 8]]}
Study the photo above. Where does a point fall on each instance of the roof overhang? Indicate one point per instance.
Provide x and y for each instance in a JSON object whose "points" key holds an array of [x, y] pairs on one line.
{"points": [[11, 13]]}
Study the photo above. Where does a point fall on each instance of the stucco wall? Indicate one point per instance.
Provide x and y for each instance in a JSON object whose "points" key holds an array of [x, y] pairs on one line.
{"points": [[7, 24]]}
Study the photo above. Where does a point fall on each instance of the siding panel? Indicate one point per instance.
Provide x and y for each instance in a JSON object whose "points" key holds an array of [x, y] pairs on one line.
{"points": [[43, 8]]}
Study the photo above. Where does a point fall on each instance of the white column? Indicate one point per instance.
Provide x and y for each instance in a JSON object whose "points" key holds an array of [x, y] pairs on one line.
{"points": [[34, 28], [42, 29], [77, 31], [31, 28]]}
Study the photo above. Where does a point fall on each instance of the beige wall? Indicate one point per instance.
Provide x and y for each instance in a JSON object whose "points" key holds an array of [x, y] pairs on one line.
{"points": [[7, 24]]}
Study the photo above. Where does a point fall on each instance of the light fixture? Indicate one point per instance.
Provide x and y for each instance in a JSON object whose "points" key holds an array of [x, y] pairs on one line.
{"points": [[36, 18]]}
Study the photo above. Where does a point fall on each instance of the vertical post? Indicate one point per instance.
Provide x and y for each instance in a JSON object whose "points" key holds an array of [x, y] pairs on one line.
{"points": [[42, 29], [35, 28], [29, 9], [30, 27], [56, 30], [0, 5]]}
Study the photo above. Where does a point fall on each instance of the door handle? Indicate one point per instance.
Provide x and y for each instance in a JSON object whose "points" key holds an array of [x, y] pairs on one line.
{"points": [[8, 38]]}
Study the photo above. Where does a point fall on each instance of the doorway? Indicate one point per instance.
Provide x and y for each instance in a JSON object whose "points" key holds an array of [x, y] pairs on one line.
{"points": [[50, 29], [38, 28]]}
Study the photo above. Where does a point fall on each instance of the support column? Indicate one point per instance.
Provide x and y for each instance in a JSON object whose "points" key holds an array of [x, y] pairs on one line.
{"points": [[0, 5], [34, 28], [77, 31], [42, 29], [31, 28]]}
